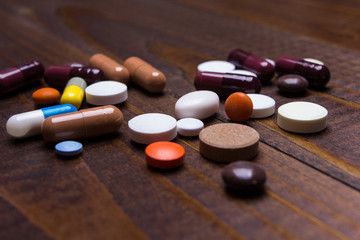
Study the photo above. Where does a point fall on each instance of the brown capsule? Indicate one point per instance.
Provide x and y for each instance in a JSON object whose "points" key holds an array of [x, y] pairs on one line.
{"points": [[112, 69], [145, 75], [86, 123]]}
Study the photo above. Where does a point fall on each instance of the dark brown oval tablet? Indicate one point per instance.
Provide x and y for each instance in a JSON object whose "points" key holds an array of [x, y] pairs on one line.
{"points": [[243, 176], [292, 83]]}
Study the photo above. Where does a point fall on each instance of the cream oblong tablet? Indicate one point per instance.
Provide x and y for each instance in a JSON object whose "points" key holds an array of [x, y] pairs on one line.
{"points": [[106, 93], [263, 106], [302, 117], [189, 127], [152, 127], [229, 142], [198, 104], [216, 66]]}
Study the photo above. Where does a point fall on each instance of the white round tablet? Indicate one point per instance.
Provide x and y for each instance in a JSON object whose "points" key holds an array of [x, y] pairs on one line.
{"points": [[302, 117], [189, 127], [312, 60], [216, 66], [243, 72], [263, 106], [106, 93], [152, 127]]}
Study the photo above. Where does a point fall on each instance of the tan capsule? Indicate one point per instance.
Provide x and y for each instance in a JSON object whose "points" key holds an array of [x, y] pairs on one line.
{"points": [[112, 69], [145, 75]]}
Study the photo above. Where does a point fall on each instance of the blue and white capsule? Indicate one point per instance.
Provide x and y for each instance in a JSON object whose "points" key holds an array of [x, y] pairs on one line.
{"points": [[28, 124]]}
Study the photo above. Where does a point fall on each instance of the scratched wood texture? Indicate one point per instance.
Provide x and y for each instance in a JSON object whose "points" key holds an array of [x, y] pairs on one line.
{"points": [[108, 192]]}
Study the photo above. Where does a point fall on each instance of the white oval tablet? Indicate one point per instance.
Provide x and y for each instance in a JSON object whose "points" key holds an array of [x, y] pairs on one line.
{"points": [[263, 106], [106, 93], [198, 104], [302, 117], [152, 127], [215, 66], [312, 60], [189, 127], [243, 72]]}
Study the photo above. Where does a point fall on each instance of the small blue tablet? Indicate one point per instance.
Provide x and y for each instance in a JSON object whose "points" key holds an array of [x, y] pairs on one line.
{"points": [[68, 148]]}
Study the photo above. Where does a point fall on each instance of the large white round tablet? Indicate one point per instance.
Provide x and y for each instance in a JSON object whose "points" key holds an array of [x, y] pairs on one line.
{"points": [[152, 127], [243, 72], [189, 127], [263, 106], [198, 104], [302, 117], [106, 93], [216, 66]]}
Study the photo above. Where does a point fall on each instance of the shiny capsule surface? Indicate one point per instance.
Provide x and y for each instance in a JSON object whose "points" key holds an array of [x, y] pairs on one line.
{"points": [[74, 92]]}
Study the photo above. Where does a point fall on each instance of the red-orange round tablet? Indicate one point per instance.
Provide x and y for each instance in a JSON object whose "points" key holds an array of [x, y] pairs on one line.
{"points": [[164, 155], [46, 96], [238, 107]]}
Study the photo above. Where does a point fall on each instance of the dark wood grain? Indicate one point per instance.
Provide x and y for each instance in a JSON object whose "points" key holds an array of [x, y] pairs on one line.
{"points": [[108, 192]]}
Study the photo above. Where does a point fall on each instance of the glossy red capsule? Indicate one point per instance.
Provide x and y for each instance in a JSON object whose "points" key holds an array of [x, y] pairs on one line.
{"points": [[225, 84], [260, 66], [317, 74], [19, 76], [58, 76]]}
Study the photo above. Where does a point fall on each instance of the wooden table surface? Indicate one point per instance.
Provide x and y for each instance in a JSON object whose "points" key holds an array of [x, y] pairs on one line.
{"points": [[108, 192]]}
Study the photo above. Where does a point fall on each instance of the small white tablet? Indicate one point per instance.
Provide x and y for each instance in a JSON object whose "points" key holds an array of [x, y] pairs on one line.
{"points": [[216, 66], [189, 127], [106, 93], [263, 106]]}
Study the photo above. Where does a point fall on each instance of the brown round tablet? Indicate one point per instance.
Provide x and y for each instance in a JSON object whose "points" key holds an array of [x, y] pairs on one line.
{"points": [[229, 142], [292, 83]]}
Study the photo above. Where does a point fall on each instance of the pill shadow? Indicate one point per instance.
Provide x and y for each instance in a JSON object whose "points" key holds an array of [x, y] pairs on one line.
{"points": [[247, 194], [165, 171], [293, 95]]}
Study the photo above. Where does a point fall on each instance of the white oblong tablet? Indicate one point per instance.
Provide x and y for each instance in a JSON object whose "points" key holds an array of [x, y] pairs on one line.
{"points": [[152, 127], [243, 72], [263, 106], [189, 127], [198, 104], [312, 60], [106, 93], [302, 117], [216, 66]]}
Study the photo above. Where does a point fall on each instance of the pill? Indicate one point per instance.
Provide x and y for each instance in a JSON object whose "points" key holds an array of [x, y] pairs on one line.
{"points": [[145, 75], [302, 117], [229, 142], [112, 69], [216, 66], [106, 93], [17, 77], [243, 176], [247, 61], [263, 106], [164, 155], [28, 124], [189, 127], [243, 72], [46, 96], [272, 62], [86, 123], [238, 107], [318, 75], [198, 104], [225, 84], [68, 148], [292, 83], [152, 127], [74, 92], [58, 76]]}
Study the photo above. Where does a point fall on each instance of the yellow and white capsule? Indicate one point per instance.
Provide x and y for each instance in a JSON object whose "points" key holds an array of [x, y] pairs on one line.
{"points": [[74, 92]]}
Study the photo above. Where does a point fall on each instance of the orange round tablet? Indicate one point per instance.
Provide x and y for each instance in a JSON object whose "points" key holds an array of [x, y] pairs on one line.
{"points": [[46, 96], [238, 107], [164, 155]]}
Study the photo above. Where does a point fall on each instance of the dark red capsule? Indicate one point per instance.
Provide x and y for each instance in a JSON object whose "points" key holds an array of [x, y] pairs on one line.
{"points": [[225, 84], [19, 76], [318, 75], [260, 66]]}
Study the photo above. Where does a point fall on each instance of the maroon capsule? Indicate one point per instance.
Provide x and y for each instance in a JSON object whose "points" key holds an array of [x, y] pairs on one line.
{"points": [[58, 76], [19, 76], [318, 75], [225, 84], [245, 60]]}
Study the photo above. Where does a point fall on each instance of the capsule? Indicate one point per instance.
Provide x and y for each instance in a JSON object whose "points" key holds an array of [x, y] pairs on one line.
{"points": [[58, 76], [112, 70], [145, 75], [28, 124], [86, 123], [19, 76], [74, 92], [225, 84], [317, 74], [260, 66]]}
